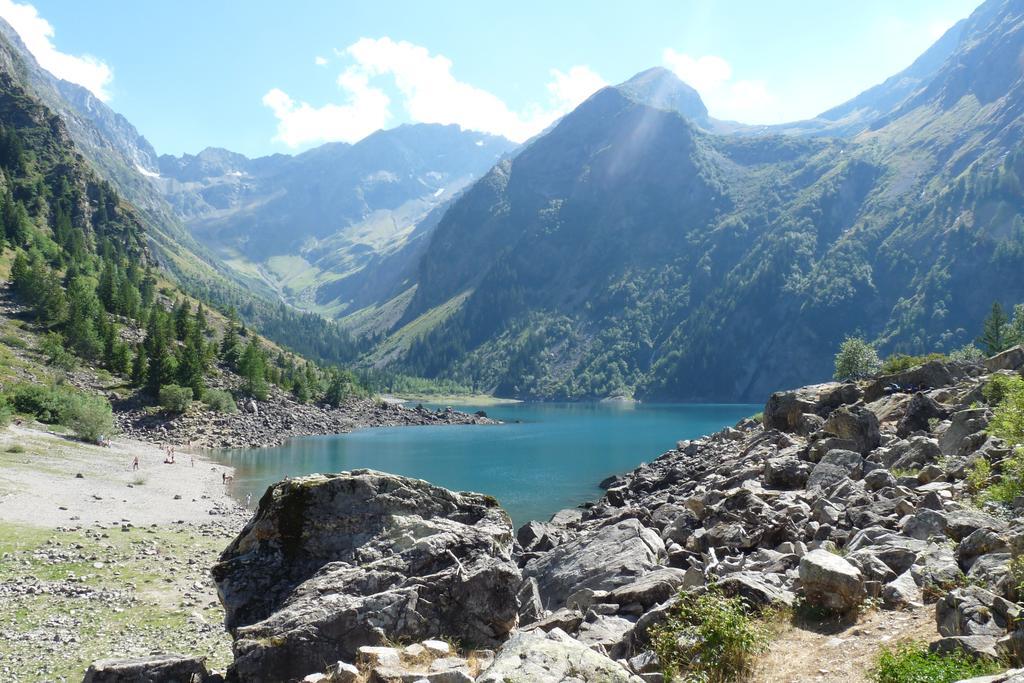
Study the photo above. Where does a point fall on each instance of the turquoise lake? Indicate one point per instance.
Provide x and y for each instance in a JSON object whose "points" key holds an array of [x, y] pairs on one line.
{"points": [[544, 458]]}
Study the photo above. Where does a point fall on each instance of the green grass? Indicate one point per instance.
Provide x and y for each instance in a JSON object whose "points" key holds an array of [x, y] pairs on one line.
{"points": [[912, 663], [149, 612]]}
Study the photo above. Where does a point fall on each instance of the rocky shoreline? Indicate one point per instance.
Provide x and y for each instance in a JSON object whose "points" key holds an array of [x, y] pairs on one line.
{"points": [[274, 421], [846, 498]]}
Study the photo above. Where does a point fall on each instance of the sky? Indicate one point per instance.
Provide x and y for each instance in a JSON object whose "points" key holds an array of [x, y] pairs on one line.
{"points": [[261, 77]]}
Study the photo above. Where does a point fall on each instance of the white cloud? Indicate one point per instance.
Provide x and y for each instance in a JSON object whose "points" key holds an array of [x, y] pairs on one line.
{"points": [[37, 34], [301, 123], [429, 93], [320, 61], [712, 77], [571, 88]]}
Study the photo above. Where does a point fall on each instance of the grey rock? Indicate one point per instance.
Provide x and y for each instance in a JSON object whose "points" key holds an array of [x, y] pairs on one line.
{"points": [[830, 581], [1010, 359], [551, 658], [978, 647], [599, 559], [169, 668], [856, 424], [785, 409], [902, 592], [969, 611], [921, 409], [332, 562]]}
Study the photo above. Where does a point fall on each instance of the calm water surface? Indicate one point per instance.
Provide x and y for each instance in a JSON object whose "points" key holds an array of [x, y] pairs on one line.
{"points": [[544, 458]]}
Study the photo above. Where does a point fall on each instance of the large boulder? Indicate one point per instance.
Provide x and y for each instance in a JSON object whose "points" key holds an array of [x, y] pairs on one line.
{"points": [[834, 467], [856, 424], [931, 375], [972, 611], [552, 657], [785, 410], [1010, 359], [921, 409], [600, 559], [169, 668], [831, 582], [965, 432], [330, 563]]}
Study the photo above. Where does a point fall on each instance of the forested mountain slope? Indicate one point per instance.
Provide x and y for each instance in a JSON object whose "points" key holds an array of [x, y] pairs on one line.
{"points": [[631, 251]]}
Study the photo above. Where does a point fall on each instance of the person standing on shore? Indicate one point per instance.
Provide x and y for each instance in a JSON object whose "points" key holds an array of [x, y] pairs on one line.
{"points": [[135, 464]]}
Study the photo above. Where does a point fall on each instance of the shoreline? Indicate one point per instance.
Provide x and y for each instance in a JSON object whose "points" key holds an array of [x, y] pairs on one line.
{"points": [[270, 423], [52, 481]]}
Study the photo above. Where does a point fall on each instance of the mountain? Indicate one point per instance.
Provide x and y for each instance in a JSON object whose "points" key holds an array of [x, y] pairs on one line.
{"points": [[633, 250], [321, 226]]}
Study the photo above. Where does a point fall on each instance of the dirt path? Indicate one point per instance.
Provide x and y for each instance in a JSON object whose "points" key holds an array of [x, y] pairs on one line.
{"points": [[841, 654]]}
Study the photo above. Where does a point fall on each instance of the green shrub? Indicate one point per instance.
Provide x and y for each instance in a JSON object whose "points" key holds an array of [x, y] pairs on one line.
{"points": [[1008, 424], [856, 359], [912, 663], [45, 403], [16, 448], [6, 411], [220, 401], [175, 399], [13, 341], [968, 353], [900, 362], [1000, 387], [89, 417], [52, 346], [709, 638]]}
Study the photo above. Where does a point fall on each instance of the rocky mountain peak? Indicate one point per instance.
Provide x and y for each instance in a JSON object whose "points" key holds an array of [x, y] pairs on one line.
{"points": [[660, 88]]}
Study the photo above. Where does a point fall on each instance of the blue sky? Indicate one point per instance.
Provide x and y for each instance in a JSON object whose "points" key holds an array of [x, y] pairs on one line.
{"points": [[262, 77]]}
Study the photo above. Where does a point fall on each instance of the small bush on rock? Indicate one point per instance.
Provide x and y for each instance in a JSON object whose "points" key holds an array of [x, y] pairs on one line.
{"points": [[220, 401], [856, 359], [913, 663], [175, 399], [899, 362], [709, 638]]}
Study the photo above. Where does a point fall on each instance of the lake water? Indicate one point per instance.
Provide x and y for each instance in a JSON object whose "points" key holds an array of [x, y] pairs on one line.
{"points": [[544, 458]]}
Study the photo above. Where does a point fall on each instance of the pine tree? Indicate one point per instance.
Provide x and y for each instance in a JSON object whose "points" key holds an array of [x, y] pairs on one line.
{"points": [[139, 366], [182, 320], [252, 366], [229, 344], [192, 363], [83, 311], [995, 333]]}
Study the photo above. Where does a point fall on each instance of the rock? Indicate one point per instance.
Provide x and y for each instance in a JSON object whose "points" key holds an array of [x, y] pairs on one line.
{"points": [[956, 440], [970, 611], [530, 607], [786, 472], [342, 672], [920, 411], [931, 375], [978, 647], [601, 559], [757, 589], [169, 668], [879, 479], [831, 582], [925, 525], [834, 467], [372, 556], [902, 592], [856, 424], [651, 589], [785, 409], [538, 657], [1010, 359]]}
